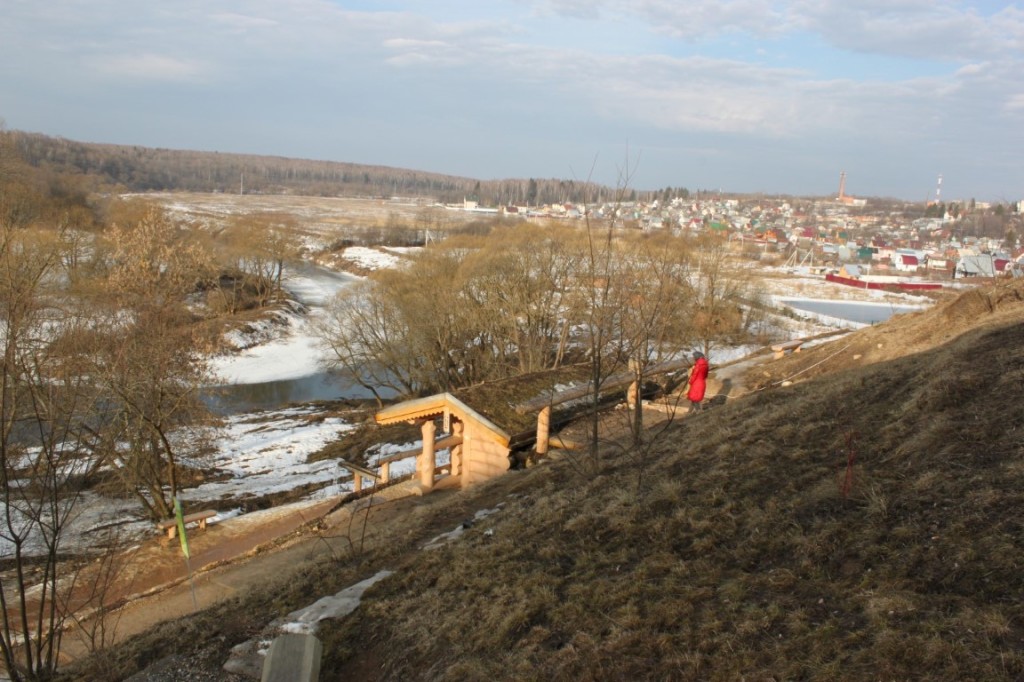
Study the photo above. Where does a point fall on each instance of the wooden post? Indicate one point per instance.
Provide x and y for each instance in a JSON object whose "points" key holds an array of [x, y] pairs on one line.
{"points": [[543, 430], [465, 455], [632, 395], [385, 472], [456, 450], [427, 463], [357, 481]]}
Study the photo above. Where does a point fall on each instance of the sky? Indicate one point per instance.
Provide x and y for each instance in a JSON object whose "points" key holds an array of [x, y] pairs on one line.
{"points": [[769, 96]]}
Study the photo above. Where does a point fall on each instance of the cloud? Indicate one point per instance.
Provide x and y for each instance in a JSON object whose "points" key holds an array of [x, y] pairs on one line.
{"points": [[527, 79], [705, 19], [149, 67], [242, 22], [433, 53], [1015, 103], [923, 29], [946, 30]]}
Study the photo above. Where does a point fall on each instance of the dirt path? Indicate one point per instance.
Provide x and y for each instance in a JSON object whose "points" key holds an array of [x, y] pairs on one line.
{"points": [[230, 559]]}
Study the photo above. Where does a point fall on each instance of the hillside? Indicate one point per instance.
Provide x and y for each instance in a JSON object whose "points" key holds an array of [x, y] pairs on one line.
{"points": [[751, 553], [863, 522]]}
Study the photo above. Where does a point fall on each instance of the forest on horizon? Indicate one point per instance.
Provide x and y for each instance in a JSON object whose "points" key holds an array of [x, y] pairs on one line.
{"points": [[144, 169]]}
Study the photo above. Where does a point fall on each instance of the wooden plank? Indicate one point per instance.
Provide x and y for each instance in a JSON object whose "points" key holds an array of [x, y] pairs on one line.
{"points": [[171, 525], [560, 443], [190, 518], [788, 345], [358, 469]]}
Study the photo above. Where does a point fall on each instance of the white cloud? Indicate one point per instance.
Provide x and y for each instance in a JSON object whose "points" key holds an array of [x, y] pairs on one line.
{"points": [[1015, 103], [411, 52], [242, 22], [152, 67], [925, 29], [709, 18]]}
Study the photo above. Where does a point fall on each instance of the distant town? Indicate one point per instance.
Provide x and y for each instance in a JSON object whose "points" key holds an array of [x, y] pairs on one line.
{"points": [[947, 241]]}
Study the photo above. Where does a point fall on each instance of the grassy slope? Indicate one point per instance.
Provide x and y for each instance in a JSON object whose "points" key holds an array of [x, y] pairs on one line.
{"points": [[744, 555], [751, 553]]}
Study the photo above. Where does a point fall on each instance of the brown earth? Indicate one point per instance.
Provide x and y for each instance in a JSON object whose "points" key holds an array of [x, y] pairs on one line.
{"points": [[243, 575]]}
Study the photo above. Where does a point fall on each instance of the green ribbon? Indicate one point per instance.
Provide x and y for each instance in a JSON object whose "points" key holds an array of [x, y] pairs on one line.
{"points": [[181, 527]]}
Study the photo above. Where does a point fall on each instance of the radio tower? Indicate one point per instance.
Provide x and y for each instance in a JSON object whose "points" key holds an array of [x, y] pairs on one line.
{"points": [[938, 190], [842, 185]]}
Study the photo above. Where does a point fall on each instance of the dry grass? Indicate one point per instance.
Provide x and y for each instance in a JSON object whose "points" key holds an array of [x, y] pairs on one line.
{"points": [[747, 559], [760, 548]]}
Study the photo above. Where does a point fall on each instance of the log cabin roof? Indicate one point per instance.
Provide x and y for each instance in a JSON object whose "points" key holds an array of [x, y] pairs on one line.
{"points": [[492, 402], [438, 405]]}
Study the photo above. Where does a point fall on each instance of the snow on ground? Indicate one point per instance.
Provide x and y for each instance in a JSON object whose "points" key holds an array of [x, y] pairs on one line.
{"points": [[454, 534], [292, 355], [266, 453], [406, 466], [261, 454], [291, 351], [404, 250], [371, 259], [785, 285]]}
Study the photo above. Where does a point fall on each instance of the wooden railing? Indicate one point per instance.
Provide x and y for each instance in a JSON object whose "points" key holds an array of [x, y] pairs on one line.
{"points": [[359, 471]]}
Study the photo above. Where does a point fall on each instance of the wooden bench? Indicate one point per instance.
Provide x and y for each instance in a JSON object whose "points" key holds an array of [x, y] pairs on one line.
{"points": [[200, 517], [781, 349]]}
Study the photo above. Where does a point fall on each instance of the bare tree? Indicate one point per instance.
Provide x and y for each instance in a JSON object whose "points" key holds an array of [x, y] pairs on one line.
{"points": [[720, 289], [144, 358], [467, 310], [655, 324], [43, 401], [602, 293], [520, 284], [257, 248]]}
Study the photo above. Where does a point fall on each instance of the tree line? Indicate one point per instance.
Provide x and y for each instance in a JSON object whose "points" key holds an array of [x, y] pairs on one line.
{"points": [[144, 169]]}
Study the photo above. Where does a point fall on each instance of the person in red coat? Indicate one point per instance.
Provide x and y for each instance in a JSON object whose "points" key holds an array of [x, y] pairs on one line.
{"points": [[698, 381]]}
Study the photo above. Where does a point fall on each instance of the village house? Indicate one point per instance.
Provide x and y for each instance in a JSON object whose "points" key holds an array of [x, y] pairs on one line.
{"points": [[905, 262]]}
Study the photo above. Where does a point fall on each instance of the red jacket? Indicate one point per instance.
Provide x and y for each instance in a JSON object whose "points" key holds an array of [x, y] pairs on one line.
{"points": [[698, 380]]}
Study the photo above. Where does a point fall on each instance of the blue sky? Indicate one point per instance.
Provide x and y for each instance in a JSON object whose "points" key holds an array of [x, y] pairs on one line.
{"points": [[743, 95]]}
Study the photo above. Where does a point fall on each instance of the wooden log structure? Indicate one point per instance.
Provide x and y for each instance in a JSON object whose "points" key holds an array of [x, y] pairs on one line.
{"points": [[614, 381], [385, 462], [781, 349], [358, 473], [200, 517]]}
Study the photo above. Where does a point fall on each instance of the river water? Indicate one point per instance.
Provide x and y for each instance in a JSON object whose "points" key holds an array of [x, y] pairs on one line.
{"points": [[857, 312], [270, 395], [288, 369]]}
